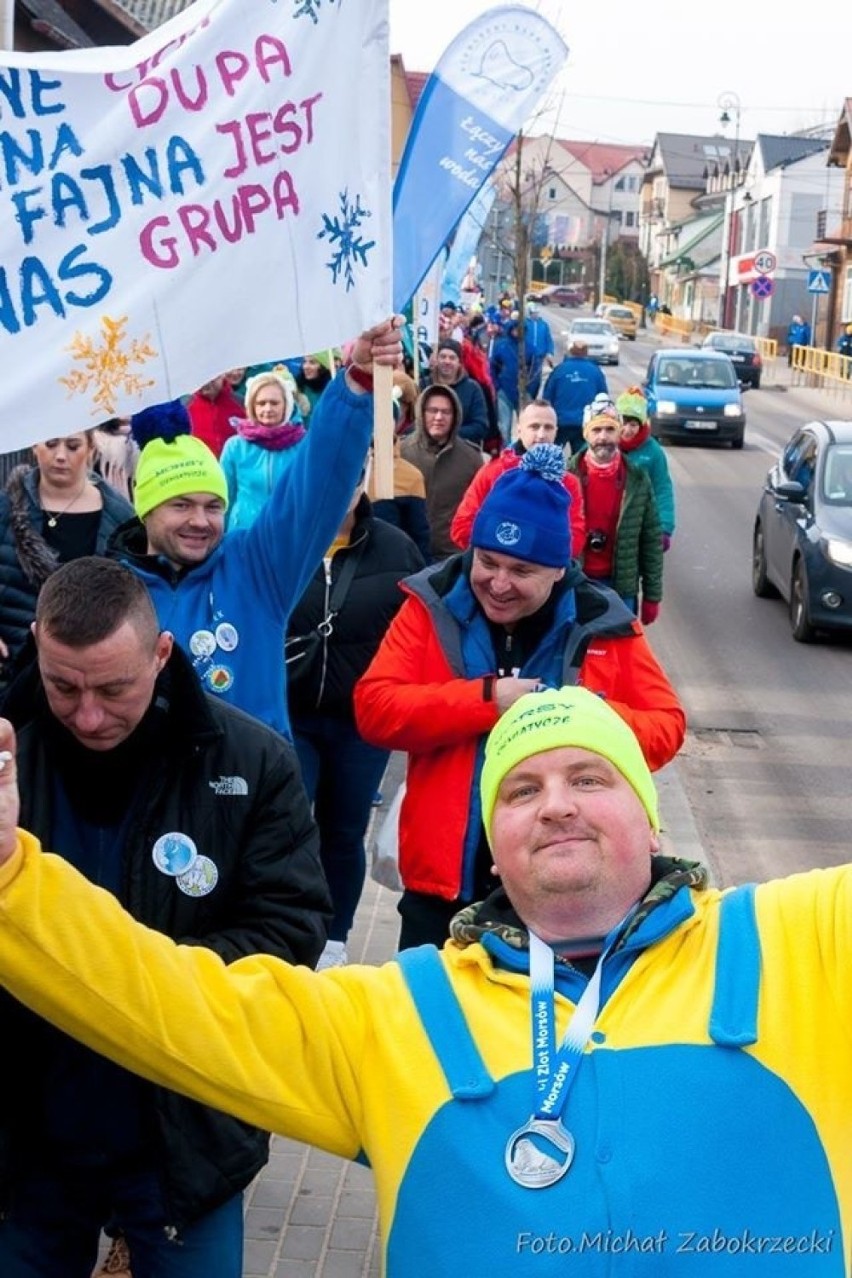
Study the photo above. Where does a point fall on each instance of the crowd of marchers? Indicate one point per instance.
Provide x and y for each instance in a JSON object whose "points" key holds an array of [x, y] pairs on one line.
{"points": [[213, 633]]}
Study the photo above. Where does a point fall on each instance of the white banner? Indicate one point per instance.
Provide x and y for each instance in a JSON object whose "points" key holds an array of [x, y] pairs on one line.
{"points": [[214, 195]]}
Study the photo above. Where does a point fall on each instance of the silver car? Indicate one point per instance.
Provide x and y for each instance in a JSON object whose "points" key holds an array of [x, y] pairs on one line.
{"points": [[598, 334]]}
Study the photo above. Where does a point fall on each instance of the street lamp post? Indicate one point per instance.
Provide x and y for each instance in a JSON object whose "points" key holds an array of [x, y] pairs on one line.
{"points": [[729, 102], [605, 239]]}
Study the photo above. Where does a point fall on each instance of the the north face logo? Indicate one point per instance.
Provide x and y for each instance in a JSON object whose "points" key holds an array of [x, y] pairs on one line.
{"points": [[229, 785]]}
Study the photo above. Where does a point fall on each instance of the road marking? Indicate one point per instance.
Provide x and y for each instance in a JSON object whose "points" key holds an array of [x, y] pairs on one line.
{"points": [[763, 442]]}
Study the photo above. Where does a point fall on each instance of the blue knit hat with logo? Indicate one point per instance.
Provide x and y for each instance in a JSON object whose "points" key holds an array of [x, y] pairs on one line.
{"points": [[525, 515]]}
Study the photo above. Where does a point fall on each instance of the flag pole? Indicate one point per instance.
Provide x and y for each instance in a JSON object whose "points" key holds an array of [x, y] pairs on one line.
{"points": [[7, 24], [383, 430]]}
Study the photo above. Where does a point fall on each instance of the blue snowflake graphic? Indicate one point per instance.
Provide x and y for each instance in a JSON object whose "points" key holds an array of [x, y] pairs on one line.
{"points": [[308, 9], [342, 232]]}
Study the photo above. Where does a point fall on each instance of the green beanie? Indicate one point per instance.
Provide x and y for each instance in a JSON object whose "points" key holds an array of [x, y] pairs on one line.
{"points": [[166, 470], [550, 720], [632, 404]]}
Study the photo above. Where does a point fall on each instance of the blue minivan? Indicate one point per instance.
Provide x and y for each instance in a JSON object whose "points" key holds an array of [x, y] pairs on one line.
{"points": [[695, 394]]}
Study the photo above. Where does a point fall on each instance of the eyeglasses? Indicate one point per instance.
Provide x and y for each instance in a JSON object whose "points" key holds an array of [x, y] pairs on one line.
{"points": [[438, 412]]}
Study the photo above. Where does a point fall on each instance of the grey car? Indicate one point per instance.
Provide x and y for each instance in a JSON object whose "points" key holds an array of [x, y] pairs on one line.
{"points": [[598, 334], [802, 543]]}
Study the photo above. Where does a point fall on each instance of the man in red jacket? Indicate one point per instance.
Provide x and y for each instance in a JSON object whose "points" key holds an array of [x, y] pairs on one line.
{"points": [[475, 633], [536, 425], [210, 411]]}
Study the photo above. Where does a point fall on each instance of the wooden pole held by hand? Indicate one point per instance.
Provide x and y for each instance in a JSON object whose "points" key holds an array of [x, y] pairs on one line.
{"points": [[383, 431]]}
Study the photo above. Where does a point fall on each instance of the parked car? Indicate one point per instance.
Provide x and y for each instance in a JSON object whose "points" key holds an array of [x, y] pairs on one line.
{"points": [[694, 393], [599, 335], [802, 546], [622, 319], [742, 351], [561, 295]]}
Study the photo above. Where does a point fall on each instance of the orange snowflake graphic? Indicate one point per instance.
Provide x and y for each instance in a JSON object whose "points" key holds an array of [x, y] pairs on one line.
{"points": [[107, 366]]}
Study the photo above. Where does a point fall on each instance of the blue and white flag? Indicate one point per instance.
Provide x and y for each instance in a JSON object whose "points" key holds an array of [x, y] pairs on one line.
{"points": [[465, 243], [216, 194], [482, 91]]}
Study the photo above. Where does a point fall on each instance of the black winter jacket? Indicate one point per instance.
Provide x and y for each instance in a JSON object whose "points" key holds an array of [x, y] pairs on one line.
{"points": [[386, 556], [26, 560], [233, 785]]}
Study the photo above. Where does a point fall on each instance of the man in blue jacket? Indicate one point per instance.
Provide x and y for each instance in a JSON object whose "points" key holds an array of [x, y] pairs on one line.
{"points": [[227, 598], [504, 374], [570, 387]]}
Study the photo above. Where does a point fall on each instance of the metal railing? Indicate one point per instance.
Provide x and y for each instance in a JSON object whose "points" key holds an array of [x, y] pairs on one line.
{"points": [[813, 367]]}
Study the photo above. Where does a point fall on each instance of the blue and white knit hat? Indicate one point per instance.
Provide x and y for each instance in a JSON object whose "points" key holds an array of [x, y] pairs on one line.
{"points": [[526, 513]]}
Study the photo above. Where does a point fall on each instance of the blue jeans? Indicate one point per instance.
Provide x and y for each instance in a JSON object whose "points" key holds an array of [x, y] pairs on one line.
{"points": [[505, 416], [572, 435], [55, 1219], [341, 773]]}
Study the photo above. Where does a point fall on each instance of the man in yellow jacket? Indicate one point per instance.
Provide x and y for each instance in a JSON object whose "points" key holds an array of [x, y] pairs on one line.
{"points": [[608, 1065]]}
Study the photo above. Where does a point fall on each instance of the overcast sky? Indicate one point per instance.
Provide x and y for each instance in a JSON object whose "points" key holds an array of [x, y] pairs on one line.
{"points": [[639, 67]]}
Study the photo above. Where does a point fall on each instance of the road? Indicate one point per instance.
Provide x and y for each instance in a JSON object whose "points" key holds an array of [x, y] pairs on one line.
{"points": [[766, 765]]}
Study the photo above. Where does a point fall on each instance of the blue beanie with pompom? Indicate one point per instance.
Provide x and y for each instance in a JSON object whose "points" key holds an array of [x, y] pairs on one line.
{"points": [[525, 515]]}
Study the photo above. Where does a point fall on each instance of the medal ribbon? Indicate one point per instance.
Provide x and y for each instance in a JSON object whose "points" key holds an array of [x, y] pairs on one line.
{"points": [[555, 1068]]}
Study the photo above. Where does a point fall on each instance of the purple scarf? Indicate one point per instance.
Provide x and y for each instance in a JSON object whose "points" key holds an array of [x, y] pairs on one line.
{"points": [[272, 437]]}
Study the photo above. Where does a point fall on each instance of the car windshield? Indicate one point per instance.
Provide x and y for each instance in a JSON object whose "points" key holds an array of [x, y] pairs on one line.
{"points": [[704, 374], [594, 327], [730, 342], [619, 312], [837, 475]]}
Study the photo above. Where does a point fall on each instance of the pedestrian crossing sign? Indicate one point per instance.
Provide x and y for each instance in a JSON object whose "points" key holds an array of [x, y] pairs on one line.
{"points": [[819, 281]]}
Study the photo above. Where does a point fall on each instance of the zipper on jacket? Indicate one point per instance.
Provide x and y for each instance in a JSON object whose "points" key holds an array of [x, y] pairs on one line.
{"points": [[324, 628]]}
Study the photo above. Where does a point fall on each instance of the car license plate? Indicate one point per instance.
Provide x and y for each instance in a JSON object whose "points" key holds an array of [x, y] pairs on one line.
{"points": [[737, 359], [700, 425]]}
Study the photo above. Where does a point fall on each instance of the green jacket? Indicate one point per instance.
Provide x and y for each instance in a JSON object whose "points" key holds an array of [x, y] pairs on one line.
{"points": [[637, 567]]}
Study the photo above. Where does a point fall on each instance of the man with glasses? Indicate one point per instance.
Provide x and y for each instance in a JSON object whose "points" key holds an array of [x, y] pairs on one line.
{"points": [[447, 462]]}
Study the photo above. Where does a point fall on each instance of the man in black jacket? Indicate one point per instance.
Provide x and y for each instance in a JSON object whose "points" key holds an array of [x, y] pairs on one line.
{"points": [[193, 815]]}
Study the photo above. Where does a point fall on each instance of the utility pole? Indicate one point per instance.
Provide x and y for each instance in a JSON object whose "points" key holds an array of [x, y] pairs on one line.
{"points": [[729, 102]]}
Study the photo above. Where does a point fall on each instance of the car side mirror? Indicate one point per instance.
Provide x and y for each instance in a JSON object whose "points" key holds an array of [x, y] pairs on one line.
{"points": [[790, 490], [744, 386]]}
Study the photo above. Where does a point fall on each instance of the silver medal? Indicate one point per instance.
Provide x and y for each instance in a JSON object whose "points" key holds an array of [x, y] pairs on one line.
{"points": [[528, 1164]]}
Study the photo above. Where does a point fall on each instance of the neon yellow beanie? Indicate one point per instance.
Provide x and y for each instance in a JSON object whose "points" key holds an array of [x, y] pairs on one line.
{"points": [[550, 720], [632, 403], [171, 469]]}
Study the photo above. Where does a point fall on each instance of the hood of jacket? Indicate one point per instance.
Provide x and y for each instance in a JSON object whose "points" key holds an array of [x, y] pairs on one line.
{"points": [[420, 431]]}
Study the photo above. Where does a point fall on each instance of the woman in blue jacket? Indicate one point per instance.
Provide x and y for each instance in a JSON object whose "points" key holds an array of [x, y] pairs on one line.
{"points": [[263, 448]]}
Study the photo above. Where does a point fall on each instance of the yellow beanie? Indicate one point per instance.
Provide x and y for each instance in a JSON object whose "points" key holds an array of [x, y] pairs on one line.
{"points": [[172, 469], [550, 720]]}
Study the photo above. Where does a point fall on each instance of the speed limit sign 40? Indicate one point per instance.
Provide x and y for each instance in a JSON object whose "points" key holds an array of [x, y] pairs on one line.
{"points": [[765, 262]]}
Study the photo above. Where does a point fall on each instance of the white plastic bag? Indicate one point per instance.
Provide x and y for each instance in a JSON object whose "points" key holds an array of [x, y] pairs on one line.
{"points": [[385, 867]]}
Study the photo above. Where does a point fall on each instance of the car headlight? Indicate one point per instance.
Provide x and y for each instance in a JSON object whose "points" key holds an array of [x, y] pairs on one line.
{"points": [[613, 346], [666, 407], [732, 410], [839, 551]]}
